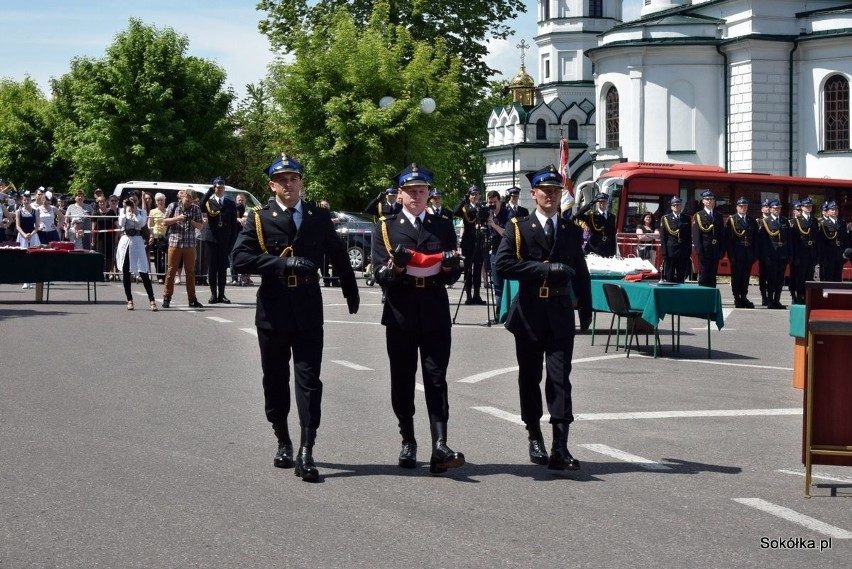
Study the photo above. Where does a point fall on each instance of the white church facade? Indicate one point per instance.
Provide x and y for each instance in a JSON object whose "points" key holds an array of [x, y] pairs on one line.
{"points": [[749, 85]]}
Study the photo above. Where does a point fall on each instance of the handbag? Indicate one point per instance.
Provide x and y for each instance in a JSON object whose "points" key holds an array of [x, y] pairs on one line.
{"points": [[644, 252], [145, 232]]}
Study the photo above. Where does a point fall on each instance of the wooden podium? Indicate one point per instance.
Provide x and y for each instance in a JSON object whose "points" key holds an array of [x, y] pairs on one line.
{"points": [[827, 436]]}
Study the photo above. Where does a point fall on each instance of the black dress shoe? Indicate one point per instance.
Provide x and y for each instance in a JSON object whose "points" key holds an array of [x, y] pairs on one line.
{"points": [[538, 453], [212, 300], [408, 455], [747, 303], [562, 460], [478, 300], [223, 300], [443, 458], [738, 303], [468, 301], [195, 304], [305, 466], [284, 456], [167, 302]]}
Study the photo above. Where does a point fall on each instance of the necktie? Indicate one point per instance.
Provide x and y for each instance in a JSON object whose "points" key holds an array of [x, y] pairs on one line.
{"points": [[291, 217], [418, 224], [548, 232]]}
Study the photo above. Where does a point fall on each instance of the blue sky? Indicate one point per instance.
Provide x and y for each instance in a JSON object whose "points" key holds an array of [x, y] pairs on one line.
{"points": [[39, 38]]}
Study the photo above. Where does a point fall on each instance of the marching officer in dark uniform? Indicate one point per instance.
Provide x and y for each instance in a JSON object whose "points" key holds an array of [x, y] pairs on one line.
{"points": [[676, 243], [707, 236], [436, 197], [832, 231], [414, 255], [544, 252], [601, 224], [218, 235], [773, 247], [285, 242], [741, 245], [513, 207], [804, 232], [384, 204], [471, 249], [762, 269]]}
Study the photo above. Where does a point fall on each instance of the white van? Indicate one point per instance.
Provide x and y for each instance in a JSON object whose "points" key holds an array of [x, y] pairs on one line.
{"points": [[171, 189]]}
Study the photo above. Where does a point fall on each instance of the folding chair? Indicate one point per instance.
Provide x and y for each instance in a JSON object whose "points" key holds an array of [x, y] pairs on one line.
{"points": [[619, 305]]}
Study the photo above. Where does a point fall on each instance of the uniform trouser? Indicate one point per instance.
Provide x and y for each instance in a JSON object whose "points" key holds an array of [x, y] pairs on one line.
{"points": [[831, 269], [557, 353], [276, 346], [762, 272], [176, 256], [775, 278], [496, 281], [217, 267], [804, 272], [434, 347], [707, 271], [472, 268], [740, 273], [675, 269]]}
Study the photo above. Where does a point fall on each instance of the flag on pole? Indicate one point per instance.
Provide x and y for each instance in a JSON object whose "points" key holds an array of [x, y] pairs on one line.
{"points": [[567, 201]]}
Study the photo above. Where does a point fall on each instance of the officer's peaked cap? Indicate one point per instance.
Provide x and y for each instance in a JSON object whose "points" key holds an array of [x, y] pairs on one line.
{"points": [[284, 164]]}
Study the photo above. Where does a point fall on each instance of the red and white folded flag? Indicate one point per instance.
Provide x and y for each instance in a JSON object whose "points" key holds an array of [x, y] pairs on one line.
{"points": [[423, 265]]}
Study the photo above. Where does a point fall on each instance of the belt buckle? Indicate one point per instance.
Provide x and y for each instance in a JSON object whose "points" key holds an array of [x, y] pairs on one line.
{"points": [[420, 282], [544, 292], [292, 281]]}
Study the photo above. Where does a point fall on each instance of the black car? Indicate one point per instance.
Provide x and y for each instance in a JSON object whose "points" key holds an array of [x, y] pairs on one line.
{"points": [[356, 232]]}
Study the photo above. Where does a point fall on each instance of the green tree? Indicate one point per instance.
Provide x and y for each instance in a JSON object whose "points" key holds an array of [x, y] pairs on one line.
{"points": [[332, 120], [26, 136], [145, 111]]}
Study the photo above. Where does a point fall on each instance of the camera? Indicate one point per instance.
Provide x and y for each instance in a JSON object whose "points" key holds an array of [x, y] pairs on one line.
{"points": [[482, 214]]}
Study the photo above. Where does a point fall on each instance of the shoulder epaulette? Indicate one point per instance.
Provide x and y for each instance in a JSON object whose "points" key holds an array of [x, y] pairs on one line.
{"points": [[257, 208]]}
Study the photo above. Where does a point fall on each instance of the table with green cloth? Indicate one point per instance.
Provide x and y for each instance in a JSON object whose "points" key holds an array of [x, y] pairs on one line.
{"points": [[24, 266], [656, 301]]}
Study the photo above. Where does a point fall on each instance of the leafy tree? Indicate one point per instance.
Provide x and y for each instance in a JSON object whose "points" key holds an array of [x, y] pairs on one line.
{"points": [[145, 111], [26, 136], [331, 118]]}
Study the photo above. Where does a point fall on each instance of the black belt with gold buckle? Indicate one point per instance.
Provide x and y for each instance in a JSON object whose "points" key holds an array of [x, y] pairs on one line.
{"points": [[298, 280], [421, 282], [553, 292]]}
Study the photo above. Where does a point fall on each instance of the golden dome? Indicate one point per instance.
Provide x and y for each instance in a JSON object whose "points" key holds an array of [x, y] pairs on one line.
{"points": [[522, 79]]}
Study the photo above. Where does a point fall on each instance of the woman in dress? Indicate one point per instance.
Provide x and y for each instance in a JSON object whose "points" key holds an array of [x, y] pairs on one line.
{"points": [[130, 253], [103, 225], [47, 213], [159, 243], [25, 222], [648, 235]]}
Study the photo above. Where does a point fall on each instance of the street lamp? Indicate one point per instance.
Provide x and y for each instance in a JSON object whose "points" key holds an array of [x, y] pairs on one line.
{"points": [[427, 107]]}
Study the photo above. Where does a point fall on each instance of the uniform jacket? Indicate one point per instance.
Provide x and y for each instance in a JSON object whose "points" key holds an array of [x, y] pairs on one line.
{"points": [[530, 316], [741, 238], [222, 226], [409, 307], [379, 207], [519, 211], [445, 214], [804, 235], [676, 236], [834, 238], [258, 251], [467, 213], [601, 231], [707, 234], [773, 239]]}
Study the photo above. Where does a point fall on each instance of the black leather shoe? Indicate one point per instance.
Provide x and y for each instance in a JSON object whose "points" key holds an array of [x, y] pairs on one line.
{"points": [[195, 304], [212, 300], [408, 455], [468, 301], [738, 303], [305, 466], [478, 300], [538, 453], [167, 302], [747, 303], [443, 458], [284, 456], [223, 300], [562, 460]]}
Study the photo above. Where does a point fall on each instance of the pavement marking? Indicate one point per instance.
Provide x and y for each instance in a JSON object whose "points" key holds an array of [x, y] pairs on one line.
{"points": [[846, 479], [512, 418], [795, 517], [419, 387], [642, 462], [352, 322], [495, 372], [351, 365], [252, 331], [220, 320], [715, 363]]}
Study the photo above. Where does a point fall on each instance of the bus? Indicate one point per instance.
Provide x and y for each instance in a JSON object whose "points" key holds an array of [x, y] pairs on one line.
{"points": [[635, 188]]}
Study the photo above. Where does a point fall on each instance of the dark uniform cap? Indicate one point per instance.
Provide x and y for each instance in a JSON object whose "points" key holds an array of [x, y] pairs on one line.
{"points": [[675, 201], [742, 201], [547, 177], [765, 203], [414, 175], [285, 164], [807, 201], [473, 190], [774, 203], [220, 181], [514, 191], [829, 205], [708, 195], [436, 193], [797, 205], [393, 190], [601, 197]]}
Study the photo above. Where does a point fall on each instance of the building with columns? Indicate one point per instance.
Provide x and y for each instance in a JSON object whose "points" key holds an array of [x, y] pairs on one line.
{"points": [[749, 85]]}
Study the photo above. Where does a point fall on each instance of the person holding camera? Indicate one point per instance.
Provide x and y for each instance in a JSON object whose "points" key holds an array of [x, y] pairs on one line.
{"points": [[495, 227], [183, 217], [544, 253], [414, 253], [473, 217], [285, 241], [219, 235], [130, 252]]}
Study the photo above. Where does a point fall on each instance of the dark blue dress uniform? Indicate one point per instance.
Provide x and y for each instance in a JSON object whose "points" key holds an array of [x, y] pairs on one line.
{"points": [[218, 235], [708, 240], [601, 229], [676, 244], [440, 211], [804, 234], [834, 237], [518, 211], [741, 247], [773, 249], [541, 318], [762, 269], [472, 250], [416, 316], [379, 206], [289, 312]]}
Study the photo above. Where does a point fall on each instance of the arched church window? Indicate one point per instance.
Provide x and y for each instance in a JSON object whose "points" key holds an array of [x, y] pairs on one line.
{"points": [[612, 118], [596, 8], [836, 113], [540, 129], [573, 130]]}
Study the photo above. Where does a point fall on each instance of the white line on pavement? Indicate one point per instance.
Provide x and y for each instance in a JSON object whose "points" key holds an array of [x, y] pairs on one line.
{"points": [[512, 418], [495, 372], [846, 479], [352, 322], [252, 331], [505, 415], [419, 387], [795, 517], [711, 362], [645, 463], [351, 365], [218, 319]]}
